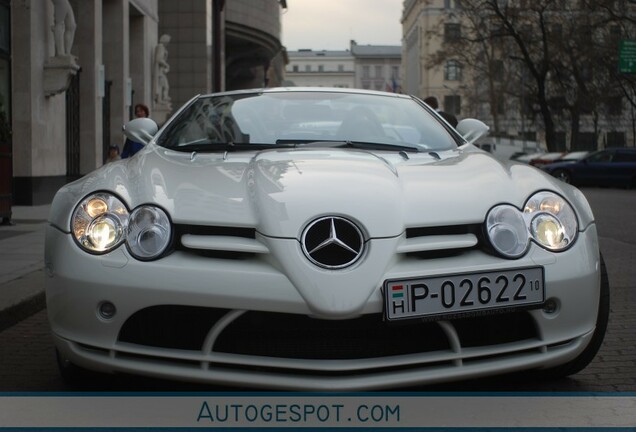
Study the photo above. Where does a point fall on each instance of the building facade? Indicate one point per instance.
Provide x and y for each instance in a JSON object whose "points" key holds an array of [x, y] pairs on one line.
{"points": [[423, 34], [71, 72], [377, 67], [497, 93], [308, 68], [371, 67]]}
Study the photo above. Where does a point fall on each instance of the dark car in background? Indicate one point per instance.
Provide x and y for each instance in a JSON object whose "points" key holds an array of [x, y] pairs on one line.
{"points": [[609, 167], [546, 158], [573, 156]]}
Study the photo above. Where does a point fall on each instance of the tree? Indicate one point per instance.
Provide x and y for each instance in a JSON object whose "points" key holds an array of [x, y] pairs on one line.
{"points": [[560, 57]]}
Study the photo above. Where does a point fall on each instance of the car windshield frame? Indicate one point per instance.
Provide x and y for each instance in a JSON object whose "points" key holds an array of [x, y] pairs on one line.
{"points": [[260, 120]]}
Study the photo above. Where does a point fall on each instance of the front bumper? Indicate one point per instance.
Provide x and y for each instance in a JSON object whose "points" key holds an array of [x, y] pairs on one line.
{"points": [[78, 283]]}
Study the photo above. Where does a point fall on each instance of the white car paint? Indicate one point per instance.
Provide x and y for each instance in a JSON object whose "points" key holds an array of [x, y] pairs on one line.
{"points": [[277, 193]]}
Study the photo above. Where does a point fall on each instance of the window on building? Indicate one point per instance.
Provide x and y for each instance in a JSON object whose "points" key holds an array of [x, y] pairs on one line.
{"points": [[498, 104], [614, 34], [395, 72], [321, 68], [559, 141], [615, 106], [452, 104], [340, 68], [295, 68], [557, 31], [452, 32], [616, 139], [586, 34], [529, 135], [378, 71], [585, 141], [497, 70], [307, 68], [366, 72], [452, 71], [587, 72], [557, 104], [452, 4], [496, 29]]}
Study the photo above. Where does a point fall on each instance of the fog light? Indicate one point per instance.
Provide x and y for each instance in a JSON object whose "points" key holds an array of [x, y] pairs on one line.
{"points": [[550, 306], [107, 310]]}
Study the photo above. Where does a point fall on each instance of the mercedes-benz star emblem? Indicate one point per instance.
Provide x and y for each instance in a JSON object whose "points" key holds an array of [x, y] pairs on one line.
{"points": [[332, 242]]}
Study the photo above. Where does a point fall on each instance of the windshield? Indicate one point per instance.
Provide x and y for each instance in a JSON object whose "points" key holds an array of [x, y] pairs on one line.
{"points": [[293, 119]]}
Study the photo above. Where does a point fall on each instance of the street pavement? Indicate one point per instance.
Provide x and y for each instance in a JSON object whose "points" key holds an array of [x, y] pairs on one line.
{"points": [[22, 264]]}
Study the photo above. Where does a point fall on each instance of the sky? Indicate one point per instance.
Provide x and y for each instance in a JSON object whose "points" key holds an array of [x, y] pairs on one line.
{"points": [[331, 24]]}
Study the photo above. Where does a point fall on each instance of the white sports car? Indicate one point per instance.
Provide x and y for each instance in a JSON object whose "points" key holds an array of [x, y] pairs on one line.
{"points": [[321, 239]]}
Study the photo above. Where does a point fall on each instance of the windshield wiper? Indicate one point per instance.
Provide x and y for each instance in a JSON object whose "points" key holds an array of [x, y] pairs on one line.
{"points": [[211, 147], [349, 144]]}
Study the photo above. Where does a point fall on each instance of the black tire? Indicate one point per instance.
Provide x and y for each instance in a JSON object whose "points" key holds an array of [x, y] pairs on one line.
{"points": [[73, 375], [563, 175], [585, 358]]}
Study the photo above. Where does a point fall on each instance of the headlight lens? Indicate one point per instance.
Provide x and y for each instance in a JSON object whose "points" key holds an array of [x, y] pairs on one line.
{"points": [[98, 223], [546, 218], [507, 231], [149, 232], [553, 221]]}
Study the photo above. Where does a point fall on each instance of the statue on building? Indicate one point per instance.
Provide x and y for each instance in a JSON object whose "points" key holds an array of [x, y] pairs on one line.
{"points": [[61, 67], [64, 26], [161, 69]]}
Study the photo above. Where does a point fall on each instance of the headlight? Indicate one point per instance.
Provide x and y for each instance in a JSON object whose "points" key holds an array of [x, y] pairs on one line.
{"points": [[149, 232], [507, 231], [553, 222], [546, 218], [98, 223], [101, 222]]}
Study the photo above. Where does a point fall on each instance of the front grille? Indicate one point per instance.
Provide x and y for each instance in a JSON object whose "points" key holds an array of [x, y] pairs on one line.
{"points": [[297, 336], [219, 242], [181, 229], [495, 330], [449, 230], [441, 241], [178, 327], [292, 336]]}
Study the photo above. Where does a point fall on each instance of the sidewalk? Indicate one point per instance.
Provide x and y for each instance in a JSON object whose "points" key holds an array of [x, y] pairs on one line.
{"points": [[22, 264]]}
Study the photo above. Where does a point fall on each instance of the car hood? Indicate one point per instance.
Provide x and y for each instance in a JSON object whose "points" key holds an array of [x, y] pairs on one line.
{"points": [[278, 192]]}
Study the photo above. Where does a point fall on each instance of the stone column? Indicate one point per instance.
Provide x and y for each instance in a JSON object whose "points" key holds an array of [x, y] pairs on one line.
{"points": [[38, 121], [88, 45], [116, 61], [143, 38]]}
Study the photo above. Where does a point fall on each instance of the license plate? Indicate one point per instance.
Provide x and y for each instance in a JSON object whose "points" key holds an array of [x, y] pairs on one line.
{"points": [[457, 294]]}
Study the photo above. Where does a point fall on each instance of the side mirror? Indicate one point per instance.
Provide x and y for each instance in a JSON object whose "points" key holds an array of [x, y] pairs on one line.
{"points": [[472, 129], [141, 130]]}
